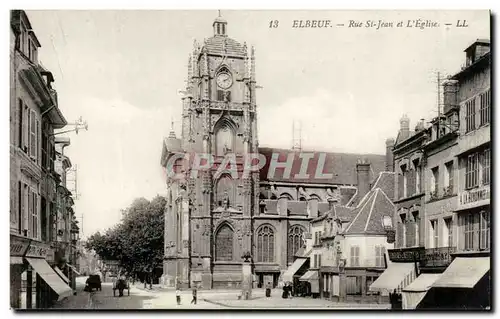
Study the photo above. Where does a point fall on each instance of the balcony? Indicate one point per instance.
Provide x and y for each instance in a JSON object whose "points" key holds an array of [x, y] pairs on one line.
{"points": [[437, 257], [474, 197]]}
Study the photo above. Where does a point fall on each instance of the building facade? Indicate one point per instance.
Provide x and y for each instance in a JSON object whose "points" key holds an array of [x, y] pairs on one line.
{"points": [[474, 149], [215, 215], [34, 115], [454, 235]]}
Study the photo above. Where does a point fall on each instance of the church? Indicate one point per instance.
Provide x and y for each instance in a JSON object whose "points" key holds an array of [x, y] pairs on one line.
{"points": [[212, 220]]}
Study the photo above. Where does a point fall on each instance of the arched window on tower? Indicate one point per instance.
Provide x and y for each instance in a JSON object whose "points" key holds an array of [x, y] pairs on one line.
{"points": [[225, 192], [224, 139], [265, 244], [224, 243], [295, 241]]}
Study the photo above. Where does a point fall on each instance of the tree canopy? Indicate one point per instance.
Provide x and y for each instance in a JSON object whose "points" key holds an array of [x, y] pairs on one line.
{"points": [[137, 241]]}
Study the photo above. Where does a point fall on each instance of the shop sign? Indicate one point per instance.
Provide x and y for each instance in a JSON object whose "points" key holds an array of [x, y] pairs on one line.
{"points": [[37, 250], [18, 246], [474, 195], [406, 254]]}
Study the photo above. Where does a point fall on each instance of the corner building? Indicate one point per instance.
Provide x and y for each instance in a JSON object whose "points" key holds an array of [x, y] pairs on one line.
{"points": [[212, 219]]}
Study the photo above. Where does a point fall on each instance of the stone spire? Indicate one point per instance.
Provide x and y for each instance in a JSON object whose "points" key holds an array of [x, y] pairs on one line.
{"points": [[172, 132]]}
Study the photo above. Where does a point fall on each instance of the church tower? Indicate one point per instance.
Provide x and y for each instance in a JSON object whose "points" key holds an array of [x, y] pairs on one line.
{"points": [[210, 222]]}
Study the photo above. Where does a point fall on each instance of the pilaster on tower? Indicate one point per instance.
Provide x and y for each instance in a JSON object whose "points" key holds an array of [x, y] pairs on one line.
{"points": [[190, 74], [252, 59]]}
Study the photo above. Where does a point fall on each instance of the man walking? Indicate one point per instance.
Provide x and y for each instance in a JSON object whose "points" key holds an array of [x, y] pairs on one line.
{"points": [[178, 296], [195, 295]]}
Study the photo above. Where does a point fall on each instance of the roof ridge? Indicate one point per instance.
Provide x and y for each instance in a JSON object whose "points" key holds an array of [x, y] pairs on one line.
{"points": [[378, 179], [357, 215], [387, 197], [362, 199], [371, 208], [352, 198]]}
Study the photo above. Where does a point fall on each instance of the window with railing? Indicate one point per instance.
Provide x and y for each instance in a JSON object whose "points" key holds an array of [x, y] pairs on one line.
{"points": [[448, 227], [470, 115], [472, 171], [484, 110], [468, 224], [403, 229], [484, 230], [434, 234], [486, 162]]}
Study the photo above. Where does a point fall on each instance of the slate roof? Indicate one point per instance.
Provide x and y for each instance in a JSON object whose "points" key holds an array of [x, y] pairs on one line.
{"points": [[373, 207], [341, 165], [345, 214], [216, 44], [385, 182], [170, 145], [346, 194]]}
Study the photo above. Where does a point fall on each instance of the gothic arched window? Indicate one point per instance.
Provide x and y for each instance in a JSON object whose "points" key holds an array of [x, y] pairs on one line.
{"points": [[265, 244], [224, 243], [224, 139], [225, 191], [295, 241]]}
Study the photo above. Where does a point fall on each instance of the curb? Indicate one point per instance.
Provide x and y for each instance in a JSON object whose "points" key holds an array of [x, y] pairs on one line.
{"points": [[232, 306]]}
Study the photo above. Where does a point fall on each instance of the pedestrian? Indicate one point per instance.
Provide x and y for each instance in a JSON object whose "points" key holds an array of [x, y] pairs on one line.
{"points": [[195, 295], [268, 289], [178, 296]]}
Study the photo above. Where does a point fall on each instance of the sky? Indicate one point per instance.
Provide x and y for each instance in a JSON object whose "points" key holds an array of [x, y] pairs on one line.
{"points": [[348, 87]]}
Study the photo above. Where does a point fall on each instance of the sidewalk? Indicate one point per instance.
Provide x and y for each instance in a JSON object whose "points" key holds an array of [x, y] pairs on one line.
{"points": [[80, 301], [277, 302]]}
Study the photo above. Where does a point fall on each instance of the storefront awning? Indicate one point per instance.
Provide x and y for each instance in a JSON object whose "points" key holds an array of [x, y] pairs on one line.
{"points": [[422, 283], [310, 275], [73, 269], [416, 291], [290, 272], [50, 277], [396, 276], [61, 274], [463, 272]]}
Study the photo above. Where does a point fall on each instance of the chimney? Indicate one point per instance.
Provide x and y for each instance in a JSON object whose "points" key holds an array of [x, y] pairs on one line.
{"points": [[389, 156], [363, 177], [404, 129], [450, 95]]}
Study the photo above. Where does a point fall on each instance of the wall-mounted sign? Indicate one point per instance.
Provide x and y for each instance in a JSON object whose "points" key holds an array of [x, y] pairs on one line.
{"points": [[37, 250], [474, 195], [407, 254], [18, 246]]}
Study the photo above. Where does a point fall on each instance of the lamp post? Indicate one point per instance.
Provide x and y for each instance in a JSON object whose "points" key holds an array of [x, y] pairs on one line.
{"points": [[247, 275], [72, 255]]}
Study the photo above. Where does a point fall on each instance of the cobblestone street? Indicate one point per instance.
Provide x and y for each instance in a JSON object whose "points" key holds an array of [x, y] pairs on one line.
{"points": [[212, 299], [158, 298]]}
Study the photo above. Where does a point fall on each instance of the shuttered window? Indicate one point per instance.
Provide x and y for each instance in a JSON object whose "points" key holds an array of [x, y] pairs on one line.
{"points": [[354, 256]]}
